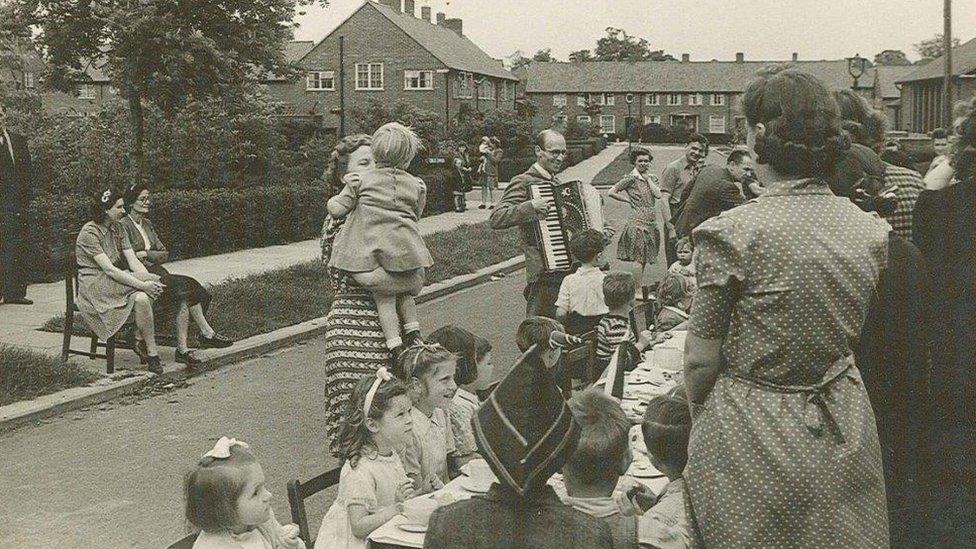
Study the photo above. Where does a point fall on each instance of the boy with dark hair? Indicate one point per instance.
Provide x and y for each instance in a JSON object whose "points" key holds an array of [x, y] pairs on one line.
{"points": [[580, 304], [614, 328], [666, 429]]}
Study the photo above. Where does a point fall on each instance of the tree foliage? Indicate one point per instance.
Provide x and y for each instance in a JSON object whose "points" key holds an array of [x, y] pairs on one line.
{"points": [[580, 56], [544, 56], [617, 45], [512, 128], [891, 58], [933, 47], [375, 113]]}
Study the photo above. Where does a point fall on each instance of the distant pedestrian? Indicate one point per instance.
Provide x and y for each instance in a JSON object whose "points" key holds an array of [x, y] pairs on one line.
{"points": [[15, 178], [491, 153], [462, 177]]}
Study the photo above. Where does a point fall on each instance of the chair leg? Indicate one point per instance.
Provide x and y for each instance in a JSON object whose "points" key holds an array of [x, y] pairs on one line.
{"points": [[110, 355], [93, 350], [69, 320]]}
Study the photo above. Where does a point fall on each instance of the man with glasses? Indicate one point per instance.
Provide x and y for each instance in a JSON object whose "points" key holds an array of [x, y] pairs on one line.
{"points": [[517, 209], [16, 194], [715, 190]]}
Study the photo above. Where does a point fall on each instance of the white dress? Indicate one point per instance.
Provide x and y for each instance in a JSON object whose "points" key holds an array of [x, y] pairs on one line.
{"points": [[372, 483]]}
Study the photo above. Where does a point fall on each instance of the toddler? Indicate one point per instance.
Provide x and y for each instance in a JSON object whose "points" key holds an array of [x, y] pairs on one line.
{"points": [[372, 483], [473, 374], [685, 266], [615, 327], [674, 296], [227, 500], [580, 304], [666, 428], [380, 244], [427, 456]]}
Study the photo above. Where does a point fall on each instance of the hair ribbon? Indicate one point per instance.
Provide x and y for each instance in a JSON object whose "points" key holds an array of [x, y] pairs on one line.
{"points": [[221, 449], [381, 375]]}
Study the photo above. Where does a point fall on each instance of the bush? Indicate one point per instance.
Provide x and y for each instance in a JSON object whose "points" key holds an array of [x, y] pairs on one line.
{"points": [[512, 129]]}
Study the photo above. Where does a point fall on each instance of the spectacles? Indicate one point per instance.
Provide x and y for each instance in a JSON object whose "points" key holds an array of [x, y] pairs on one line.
{"points": [[556, 152]]}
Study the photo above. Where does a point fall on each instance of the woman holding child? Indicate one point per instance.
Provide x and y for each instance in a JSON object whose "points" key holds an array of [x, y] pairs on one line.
{"points": [[784, 449]]}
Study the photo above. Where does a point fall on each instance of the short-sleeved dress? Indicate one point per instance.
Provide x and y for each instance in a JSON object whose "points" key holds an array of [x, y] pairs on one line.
{"points": [[639, 240], [463, 407], [382, 230], [373, 483], [104, 304], [430, 444], [785, 452]]}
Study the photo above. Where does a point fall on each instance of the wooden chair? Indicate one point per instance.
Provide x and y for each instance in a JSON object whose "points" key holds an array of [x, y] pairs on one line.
{"points": [[298, 492], [186, 542], [584, 355], [70, 308]]}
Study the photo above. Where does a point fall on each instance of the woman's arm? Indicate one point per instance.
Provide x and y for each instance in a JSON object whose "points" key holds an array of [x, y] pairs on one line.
{"points": [[363, 522], [618, 191], [939, 177], [118, 275], [703, 363], [157, 253], [135, 265]]}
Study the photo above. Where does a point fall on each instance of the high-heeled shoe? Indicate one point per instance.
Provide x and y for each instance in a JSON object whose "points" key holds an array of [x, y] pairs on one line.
{"points": [[154, 365], [139, 346]]}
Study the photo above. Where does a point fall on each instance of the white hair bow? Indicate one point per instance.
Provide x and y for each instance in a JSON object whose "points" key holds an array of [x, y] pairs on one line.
{"points": [[382, 375], [221, 449]]}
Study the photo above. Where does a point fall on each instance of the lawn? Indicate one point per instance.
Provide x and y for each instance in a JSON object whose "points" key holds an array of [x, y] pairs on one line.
{"points": [[27, 374], [609, 175]]}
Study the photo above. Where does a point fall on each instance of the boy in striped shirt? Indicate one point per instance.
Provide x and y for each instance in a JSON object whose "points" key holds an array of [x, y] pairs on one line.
{"points": [[618, 293]]}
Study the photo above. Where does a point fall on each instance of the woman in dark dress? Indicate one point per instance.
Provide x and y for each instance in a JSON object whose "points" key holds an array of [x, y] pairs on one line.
{"points": [[354, 343]]}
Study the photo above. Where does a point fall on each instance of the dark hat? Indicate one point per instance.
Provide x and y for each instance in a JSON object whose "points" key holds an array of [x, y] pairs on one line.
{"points": [[525, 430]]}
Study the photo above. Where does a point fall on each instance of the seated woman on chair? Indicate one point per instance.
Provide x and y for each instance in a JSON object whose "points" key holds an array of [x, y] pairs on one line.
{"points": [[111, 280], [183, 294]]}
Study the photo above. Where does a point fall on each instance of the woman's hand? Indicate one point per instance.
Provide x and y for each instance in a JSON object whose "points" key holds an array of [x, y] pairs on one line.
{"points": [[142, 254], [153, 289]]}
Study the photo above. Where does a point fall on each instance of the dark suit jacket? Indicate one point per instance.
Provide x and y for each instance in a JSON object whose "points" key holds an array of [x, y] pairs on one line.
{"points": [[514, 210], [502, 520], [15, 180], [713, 192]]}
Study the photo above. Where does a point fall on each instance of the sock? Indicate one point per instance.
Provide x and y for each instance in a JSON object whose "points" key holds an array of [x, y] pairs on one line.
{"points": [[393, 343], [411, 327]]}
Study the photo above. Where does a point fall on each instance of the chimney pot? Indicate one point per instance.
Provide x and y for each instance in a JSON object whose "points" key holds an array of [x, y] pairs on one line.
{"points": [[425, 13], [441, 17], [455, 25], [409, 7], [685, 57], [796, 56], [740, 57]]}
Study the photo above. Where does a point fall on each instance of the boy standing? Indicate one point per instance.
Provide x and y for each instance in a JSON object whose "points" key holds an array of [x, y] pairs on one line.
{"points": [[580, 305]]}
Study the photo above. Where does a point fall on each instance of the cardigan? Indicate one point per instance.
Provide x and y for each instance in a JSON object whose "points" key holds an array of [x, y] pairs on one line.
{"points": [[158, 254]]}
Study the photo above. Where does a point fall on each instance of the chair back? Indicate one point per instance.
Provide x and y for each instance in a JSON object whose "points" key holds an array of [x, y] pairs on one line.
{"points": [[186, 542], [70, 281], [584, 355], [299, 491]]}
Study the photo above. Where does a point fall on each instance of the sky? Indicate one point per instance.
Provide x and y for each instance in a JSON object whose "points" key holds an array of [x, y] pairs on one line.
{"points": [[706, 29]]}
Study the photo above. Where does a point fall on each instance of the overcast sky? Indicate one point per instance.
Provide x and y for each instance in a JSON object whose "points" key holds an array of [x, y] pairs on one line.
{"points": [[707, 29]]}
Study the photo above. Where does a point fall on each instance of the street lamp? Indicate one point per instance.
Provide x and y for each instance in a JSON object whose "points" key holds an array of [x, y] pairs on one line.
{"points": [[629, 98], [855, 67]]}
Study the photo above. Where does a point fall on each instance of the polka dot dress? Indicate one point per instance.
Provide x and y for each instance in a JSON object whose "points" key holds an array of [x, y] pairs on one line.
{"points": [[786, 281]]}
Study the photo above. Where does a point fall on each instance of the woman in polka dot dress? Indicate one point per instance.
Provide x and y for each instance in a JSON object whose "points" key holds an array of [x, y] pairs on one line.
{"points": [[784, 450]]}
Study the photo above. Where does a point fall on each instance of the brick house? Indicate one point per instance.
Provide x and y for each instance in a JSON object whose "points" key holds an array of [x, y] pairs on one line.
{"points": [[91, 96], [887, 96], [388, 54], [702, 96], [921, 90]]}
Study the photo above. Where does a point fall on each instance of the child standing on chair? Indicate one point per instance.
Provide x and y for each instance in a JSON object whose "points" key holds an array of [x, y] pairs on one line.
{"points": [[372, 484], [580, 304], [380, 243]]}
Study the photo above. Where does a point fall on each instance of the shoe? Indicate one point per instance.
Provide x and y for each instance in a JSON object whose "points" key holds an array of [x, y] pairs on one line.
{"points": [[139, 346], [481, 207], [216, 342], [395, 357], [412, 338], [18, 301], [155, 366], [187, 358]]}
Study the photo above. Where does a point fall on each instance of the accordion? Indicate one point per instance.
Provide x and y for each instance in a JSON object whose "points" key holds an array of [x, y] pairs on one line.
{"points": [[577, 207]]}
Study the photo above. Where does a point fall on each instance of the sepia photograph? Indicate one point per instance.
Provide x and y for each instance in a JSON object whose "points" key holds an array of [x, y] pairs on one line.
{"points": [[478, 274]]}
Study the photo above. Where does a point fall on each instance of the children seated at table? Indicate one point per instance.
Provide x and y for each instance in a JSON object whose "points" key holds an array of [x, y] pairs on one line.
{"points": [[666, 428], [473, 373], [372, 484], [427, 456], [615, 327], [226, 498], [602, 456], [674, 297], [685, 266], [580, 304], [526, 435]]}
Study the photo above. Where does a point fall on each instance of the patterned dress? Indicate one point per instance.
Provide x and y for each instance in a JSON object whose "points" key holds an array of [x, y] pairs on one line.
{"points": [[354, 343], [785, 452], [639, 240]]}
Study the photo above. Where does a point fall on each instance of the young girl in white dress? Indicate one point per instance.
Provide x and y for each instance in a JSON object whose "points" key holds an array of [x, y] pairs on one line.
{"points": [[227, 500], [372, 483]]}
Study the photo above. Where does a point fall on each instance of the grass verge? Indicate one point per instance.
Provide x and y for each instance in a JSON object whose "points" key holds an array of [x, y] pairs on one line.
{"points": [[27, 374], [616, 169]]}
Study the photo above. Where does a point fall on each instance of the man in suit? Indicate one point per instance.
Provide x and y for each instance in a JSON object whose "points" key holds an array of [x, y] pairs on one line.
{"points": [[16, 194], [516, 209], [715, 190]]}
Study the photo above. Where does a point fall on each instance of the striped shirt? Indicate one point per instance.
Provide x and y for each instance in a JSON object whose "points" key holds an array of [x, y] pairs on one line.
{"points": [[609, 333], [908, 185]]}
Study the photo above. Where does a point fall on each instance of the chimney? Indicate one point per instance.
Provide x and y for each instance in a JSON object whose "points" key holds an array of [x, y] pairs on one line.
{"points": [[740, 57], [685, 57], [455, 25], [425, 13], [440, 18], [409, 8], [392, 4], [796, 56]]}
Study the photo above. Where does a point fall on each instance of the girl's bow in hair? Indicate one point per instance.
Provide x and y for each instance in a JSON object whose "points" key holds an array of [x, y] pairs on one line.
{"points": [[221, 449], [381, 375]]}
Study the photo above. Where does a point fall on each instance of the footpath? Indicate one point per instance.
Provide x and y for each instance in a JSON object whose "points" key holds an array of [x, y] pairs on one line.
{"points": [[19, 325]]}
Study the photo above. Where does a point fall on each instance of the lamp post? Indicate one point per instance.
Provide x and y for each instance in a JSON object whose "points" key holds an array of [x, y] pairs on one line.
{"points": [[629, 98], [855, 67]]}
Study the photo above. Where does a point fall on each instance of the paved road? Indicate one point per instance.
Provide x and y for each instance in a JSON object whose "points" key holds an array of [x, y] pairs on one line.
{"points": [[112, 478]]}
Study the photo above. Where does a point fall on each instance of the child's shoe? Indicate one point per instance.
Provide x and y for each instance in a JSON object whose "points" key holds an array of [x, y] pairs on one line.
{"points": [[412, 338]]}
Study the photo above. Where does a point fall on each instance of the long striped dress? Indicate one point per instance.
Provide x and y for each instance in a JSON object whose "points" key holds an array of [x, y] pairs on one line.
{"points": [[354, 344]]}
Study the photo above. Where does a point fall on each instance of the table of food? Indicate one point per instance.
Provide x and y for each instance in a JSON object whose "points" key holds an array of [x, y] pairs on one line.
{"points": [[658, 374]]}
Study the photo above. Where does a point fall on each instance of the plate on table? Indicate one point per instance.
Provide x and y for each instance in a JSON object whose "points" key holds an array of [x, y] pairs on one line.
{"points": [[476, 485], [413, 528], [643, 469]]}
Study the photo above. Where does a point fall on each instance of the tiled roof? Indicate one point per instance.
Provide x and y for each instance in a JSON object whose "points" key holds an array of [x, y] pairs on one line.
{"points": [[670, 76], [455, 51], [296, 49], [963, 62], [888, 75]]}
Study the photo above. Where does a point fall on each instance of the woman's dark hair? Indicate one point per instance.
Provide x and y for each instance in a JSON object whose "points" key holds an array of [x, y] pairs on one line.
{"points": [[132, 194], [101, 202], [353, 434], [866, 125], [859, 176], [464, 345], [965, 159], [639, 152], [803, 136], [339, 161]]}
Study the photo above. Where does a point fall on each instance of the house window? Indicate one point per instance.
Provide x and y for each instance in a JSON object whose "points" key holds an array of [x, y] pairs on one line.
{"points": [[86, 91], [674, 99], [608, 124], [581, 100], [598, 98], [486, 90], [503, 92], [418, 80], [716, 124], [559, 119], [559, 100], [464, 85], [610, 99], [695, 99], [369, 76], [652, 100], [652, 119], [718, 100], [29, 80], [320, 80], [583, 119]]}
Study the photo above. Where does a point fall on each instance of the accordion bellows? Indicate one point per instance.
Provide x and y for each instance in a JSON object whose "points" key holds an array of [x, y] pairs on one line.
{"points": [[525, 430]]}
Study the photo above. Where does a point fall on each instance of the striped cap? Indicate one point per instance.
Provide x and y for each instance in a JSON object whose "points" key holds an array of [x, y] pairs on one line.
{"points": [[525, 430]]}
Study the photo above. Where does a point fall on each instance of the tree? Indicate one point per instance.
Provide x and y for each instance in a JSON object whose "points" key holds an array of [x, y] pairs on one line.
{"points": [[617, 45], [933, 47], [580, 55], [425, 123], [518, 60], [161, 51], [544, 56], [891, 58]]}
